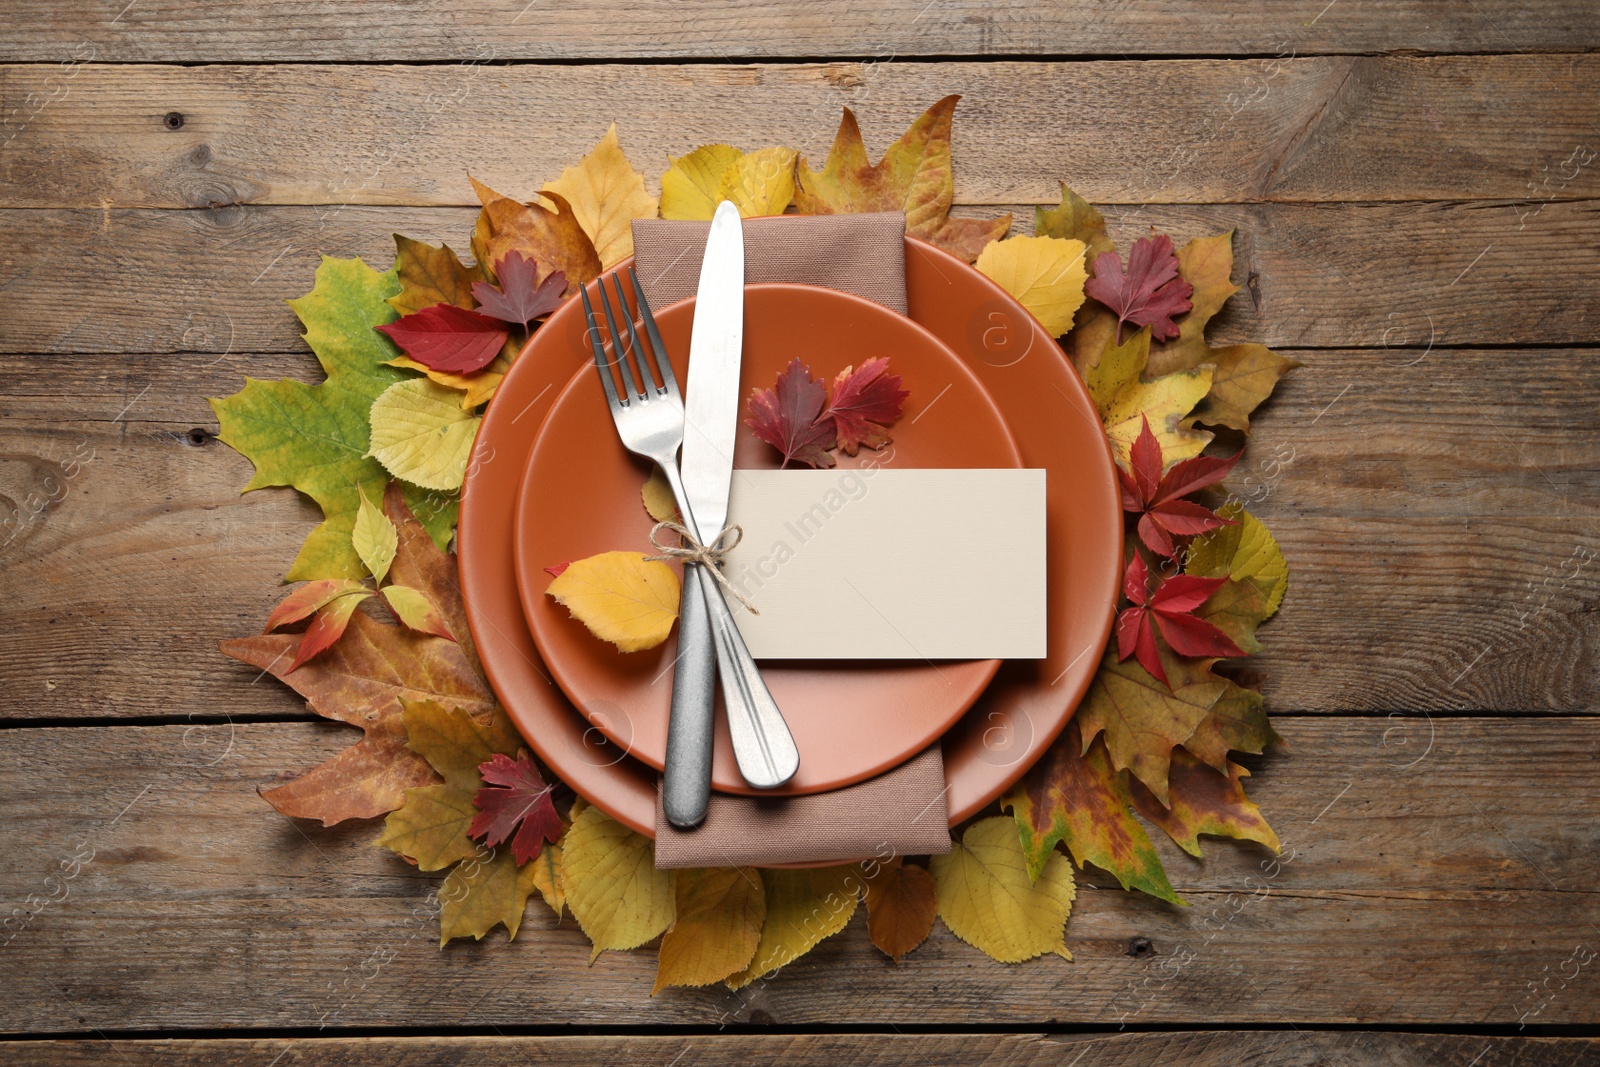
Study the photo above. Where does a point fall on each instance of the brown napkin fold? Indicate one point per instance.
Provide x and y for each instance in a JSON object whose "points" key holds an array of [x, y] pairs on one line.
{"points": [[902, 811]]}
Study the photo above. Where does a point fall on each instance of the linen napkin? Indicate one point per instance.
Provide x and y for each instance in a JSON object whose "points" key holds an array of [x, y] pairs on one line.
{"points": [[902, 811]]}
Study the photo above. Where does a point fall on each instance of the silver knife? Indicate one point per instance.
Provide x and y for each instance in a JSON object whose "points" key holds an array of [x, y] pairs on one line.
{"points": [[761, 742]]}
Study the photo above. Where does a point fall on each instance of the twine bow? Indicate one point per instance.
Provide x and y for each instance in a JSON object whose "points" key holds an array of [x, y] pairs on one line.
{"points": [[710, 555]]}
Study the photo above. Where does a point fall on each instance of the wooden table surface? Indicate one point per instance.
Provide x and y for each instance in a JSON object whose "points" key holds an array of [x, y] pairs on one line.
{"points": [[1416, 195]]}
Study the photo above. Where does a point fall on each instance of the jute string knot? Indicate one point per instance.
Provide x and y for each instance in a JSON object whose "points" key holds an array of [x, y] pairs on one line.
{"points": [[710, 555]]}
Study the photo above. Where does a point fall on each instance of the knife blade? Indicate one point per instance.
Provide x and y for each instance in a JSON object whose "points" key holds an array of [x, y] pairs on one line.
{"points": [[711, 421]]}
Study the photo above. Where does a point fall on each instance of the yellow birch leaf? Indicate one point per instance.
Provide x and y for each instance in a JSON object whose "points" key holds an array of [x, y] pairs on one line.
{"points": [[987, 900], [606, 195], [613, 888], [1124, 399], [718, 926], [760, 182], [692, 185], [547, 878], [483, 892], [622, 597], [1045, 274], [658, 498], [900, 906], [803, 908], [421, 434], [374, 538]]}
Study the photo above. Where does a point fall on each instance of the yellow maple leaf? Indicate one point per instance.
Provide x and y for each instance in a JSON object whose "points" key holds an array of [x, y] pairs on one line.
{"points": [[622, 597], [482, 892], [758, 183], [914, 176], [1142, 718], [613, 887], [803, 908], [987, 900], [658, 498], [718, 926], [1124, 399], [1045, 274], [421, 434], [1244, 552], [606, 195]]}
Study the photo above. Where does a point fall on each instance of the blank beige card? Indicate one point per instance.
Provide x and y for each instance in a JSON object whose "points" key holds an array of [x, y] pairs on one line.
{"points": [[891, 564]]}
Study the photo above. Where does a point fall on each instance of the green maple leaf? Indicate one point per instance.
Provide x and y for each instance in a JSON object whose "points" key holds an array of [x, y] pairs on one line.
{"points": [[315, 437]]}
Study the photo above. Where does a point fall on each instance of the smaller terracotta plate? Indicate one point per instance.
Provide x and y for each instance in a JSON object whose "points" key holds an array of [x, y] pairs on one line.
{"points": [[580, 496]]}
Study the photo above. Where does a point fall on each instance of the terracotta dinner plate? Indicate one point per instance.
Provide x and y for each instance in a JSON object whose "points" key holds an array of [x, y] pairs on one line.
{"points": [[1026, 705], [580, 496]]}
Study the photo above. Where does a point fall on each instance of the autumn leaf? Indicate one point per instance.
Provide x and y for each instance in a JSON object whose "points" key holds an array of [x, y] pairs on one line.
{"points": [[1236, 722], [481, 893], [515, 800], [1149, 294], [520, 297], [803, 908], [415, 611], [1157, 498], [548, 879], [375, 539], [327, 626], [719, 914], [606, 195], [1142, 718], [1203, 801], [430, 275], [1125, 399], [987, 899], [309, 599], [315, 437], [613, 887], [900, 906], [1074, 219], [360, 680], [865, 403], [1045, 274], [914, 176], [622, 597], [447, 338], [758, 183], [1169, 607], [432, 828], [1245, 374], [1072, 795], [554, 239], [789, 417], [1256, 575], [421, 435], [657, 496]]}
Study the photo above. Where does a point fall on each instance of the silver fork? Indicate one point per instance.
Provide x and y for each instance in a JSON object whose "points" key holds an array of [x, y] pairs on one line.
{"points": [[649, 419]]}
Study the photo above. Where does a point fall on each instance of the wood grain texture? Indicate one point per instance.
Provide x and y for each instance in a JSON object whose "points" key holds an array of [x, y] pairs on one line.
{"points": [[1317, 276], [1435, 508], [1419, 891], [1202, 131], [170, 31], [1307, 1048]]}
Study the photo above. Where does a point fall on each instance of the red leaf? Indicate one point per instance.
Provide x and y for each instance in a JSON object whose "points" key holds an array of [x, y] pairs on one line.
{"points": [[1168, 608], [1182, 593], [520, 297], [1156, 498], [555, 572], [1149, 294], [514, 794], [789, 417], [447, 338], [328, 626], [865, 403], [311, 597], [1194, 637]]}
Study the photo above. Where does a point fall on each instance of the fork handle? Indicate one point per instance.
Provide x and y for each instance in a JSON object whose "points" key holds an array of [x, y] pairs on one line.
{"points": [[762, 743], [686, 776]]}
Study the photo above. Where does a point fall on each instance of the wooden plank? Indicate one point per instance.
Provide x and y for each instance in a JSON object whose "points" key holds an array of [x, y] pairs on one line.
{"points": [[1431, 505], [1301, 1048], [169, 31], [1202, 131], [1441, 891], [1319, 276]]}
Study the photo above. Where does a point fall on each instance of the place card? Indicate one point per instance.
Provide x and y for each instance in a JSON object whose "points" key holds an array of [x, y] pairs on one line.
{"points": [[890, 564]]}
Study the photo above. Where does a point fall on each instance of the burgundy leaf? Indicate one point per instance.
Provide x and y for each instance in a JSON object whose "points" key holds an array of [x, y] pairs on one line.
{"points": [[1149, 294], [865, 403], [516, 799], [520, 297], [447, 338], [789, 417]]}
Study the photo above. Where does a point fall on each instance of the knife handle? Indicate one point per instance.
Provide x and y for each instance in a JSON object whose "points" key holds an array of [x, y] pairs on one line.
{"points": [[761, 740], [686, 785]]}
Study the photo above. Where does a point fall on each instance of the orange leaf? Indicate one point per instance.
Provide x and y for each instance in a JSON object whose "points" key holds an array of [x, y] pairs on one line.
{"points": [[360, 680], [328, 626], [1204, 801], [553, 239], [900, 906], [914, 176], [309, 598]]}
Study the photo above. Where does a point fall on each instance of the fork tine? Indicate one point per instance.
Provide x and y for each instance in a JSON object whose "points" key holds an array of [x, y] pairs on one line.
{"points": [[600, 362], [617, 349], [657, 350], [633, 337]]}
